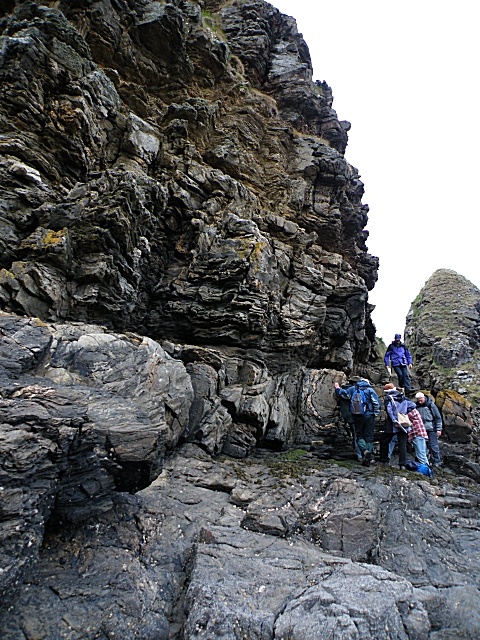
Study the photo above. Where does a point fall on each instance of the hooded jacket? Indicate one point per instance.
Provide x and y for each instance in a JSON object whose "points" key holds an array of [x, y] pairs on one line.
{"points": [[373, 401], [396, 401], [431, 416], [398, 354]]}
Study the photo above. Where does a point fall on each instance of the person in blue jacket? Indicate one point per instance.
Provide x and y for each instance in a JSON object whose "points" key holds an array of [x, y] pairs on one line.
{"points": [[344, 406], [364, 424], [398, 356]]}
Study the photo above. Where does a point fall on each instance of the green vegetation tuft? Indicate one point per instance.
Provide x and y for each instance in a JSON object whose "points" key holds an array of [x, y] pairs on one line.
{"points": [[294, 455], [213, 22], [345, 464]]}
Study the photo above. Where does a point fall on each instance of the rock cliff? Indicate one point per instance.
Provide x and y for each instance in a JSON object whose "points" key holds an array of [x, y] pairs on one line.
{"points": [[443, 332], [168, 166], [183, 276]]}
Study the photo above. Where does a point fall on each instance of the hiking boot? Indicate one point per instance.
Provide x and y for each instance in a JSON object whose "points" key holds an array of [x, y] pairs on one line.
{"points": [[402, 467], [367, 458]]}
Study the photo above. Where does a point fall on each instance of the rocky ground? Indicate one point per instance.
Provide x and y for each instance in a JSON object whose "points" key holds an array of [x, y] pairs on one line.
{"points": [[277, 546], [111, 519], [183, 276]]}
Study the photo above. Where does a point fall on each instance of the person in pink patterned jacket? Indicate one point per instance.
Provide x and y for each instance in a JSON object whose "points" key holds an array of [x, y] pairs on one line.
{"points": [[418, 436]]}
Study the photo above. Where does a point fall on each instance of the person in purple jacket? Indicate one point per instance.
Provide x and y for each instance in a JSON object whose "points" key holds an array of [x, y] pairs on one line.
{"points": [[398, 356], [394, 402]]}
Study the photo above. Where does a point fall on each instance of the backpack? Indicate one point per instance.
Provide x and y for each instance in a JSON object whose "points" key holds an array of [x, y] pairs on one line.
{"points": [[358, 402], [412, 465]]}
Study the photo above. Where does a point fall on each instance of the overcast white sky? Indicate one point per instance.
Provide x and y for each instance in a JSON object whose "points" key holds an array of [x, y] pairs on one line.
{"points": [[406, 75]]}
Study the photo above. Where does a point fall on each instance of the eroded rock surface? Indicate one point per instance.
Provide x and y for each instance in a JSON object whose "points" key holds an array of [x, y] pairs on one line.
{"points": [[162, 189], [265, 547], [443, 331], [183, 276]]}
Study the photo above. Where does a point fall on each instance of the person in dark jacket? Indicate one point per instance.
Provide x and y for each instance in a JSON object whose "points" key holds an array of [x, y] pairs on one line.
{"points": [[344, 406], [364, 424], [433, 424], [395, 401], [398, 356]]}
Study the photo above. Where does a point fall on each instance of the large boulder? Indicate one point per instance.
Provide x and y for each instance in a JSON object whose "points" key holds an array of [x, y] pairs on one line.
{"points": [[83, 413], [443, 333]]}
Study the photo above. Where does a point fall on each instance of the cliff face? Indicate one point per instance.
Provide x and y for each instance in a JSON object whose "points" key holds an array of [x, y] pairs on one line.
{"points": [[443, 331], [183, 274], [171, 169], [158, 179], [443, 328], [168, 167]]}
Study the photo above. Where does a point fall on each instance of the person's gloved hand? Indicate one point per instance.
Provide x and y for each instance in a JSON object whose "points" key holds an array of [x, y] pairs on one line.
{"points": [[389, 369]]}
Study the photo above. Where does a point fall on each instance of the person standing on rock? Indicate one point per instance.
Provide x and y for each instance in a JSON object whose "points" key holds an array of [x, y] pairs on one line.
{"points": [[417, 435], [344, 406], [398, 356], [432, 420], [363, 416], [395, 401]]}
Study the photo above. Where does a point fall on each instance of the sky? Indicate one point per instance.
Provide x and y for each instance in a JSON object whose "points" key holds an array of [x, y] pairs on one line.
{"points": [[406, 75]]}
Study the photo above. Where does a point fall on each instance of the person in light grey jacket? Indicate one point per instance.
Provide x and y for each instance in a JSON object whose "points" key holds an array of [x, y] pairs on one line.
{"points": [[432, 420]]}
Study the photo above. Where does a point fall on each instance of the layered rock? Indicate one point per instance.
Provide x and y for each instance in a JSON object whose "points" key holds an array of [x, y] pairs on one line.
{"points": [[162, 189], [85, 413], [170, 191], [443, 333]]}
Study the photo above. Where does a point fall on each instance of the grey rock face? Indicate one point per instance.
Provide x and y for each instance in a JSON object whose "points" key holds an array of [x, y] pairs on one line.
{"points": [[85, 412], [82, 412], [262, 548]]}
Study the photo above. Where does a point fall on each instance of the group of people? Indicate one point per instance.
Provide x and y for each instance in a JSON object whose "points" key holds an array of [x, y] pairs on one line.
{"points": [[418, 422]]}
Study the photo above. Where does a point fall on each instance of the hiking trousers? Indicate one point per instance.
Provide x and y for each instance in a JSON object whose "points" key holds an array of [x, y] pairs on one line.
{"points": [[420, 445], [434, 447], [403, 375], [402, 446], [364, 427]]}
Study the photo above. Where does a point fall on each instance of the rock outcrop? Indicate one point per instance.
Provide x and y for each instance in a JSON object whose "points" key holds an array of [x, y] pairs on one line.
{"points": [[443, 333], [183, 276], [163, 188], [265, 547]]}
